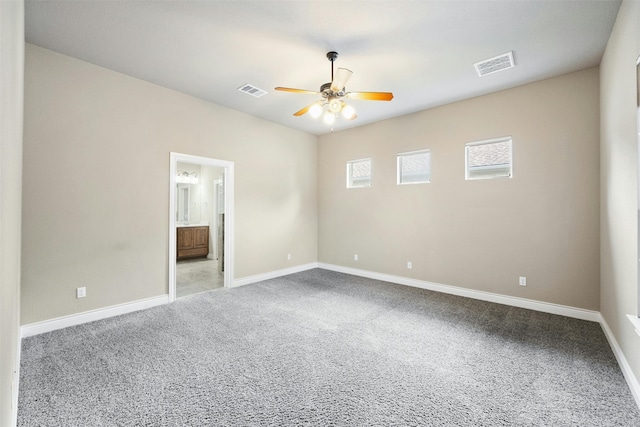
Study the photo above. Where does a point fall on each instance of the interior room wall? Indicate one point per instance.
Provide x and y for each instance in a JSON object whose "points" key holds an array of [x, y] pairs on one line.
{"points": [[542, 223], [96, 185], [11, 112], [619, 202]]}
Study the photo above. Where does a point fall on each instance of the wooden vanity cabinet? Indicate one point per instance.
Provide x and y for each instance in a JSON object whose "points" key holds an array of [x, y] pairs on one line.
{"points": [[192, 242]]}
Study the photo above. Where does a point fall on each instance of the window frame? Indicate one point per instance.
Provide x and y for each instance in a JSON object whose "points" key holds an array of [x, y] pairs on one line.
{"points": [[349, 173], [467, 175], [399, 157]]}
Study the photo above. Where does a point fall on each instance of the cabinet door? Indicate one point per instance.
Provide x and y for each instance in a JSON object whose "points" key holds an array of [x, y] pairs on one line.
{"points": [[201, 238], [185, 238]]}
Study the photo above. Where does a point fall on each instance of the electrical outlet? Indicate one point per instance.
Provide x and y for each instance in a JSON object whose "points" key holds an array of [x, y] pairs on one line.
{"points": [[523, 281], [289, 257], [409, 265], [355, 257], [81, 292]]}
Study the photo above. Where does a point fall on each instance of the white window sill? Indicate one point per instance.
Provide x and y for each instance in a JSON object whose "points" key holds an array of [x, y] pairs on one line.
{"points": [[636, 322]]}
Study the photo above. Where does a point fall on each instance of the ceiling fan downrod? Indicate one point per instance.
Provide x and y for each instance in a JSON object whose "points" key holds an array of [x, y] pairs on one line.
{"points": [[332, 56]]}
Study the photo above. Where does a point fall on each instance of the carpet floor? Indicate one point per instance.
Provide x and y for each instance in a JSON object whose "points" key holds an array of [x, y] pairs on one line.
{"points": [[325, 349]]}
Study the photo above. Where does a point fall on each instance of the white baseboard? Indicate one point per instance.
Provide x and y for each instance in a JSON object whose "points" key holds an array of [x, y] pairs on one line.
{"points": [[578, 313], [90, 316], [632, 381], [116, 310], [273, 274], [545, 307], [562, 310]]}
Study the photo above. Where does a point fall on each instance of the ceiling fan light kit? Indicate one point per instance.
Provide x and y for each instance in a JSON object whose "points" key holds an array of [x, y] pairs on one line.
{"points": [[333, 105], [316, 110]]}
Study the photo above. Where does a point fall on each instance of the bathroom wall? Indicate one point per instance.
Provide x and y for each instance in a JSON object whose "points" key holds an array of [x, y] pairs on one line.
{"points": [[209, 207], [195, 193], [202, 197]]}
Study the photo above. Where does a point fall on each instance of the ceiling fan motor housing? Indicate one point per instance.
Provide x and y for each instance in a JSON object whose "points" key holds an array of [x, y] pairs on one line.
{"points": [[326, 92]]}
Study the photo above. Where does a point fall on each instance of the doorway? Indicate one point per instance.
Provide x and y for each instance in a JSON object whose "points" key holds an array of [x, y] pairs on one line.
{"points": [[200, 223]]}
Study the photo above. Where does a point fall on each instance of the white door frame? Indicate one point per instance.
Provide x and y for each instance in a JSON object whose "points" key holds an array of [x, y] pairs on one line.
{"points": [[228, 216]]}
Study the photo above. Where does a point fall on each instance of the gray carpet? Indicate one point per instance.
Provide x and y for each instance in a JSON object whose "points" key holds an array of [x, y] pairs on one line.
{"points": [[325, 349]]}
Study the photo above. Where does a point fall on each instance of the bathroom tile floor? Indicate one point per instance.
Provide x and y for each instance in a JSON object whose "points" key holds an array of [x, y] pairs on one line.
{"points": [[197, 275]]}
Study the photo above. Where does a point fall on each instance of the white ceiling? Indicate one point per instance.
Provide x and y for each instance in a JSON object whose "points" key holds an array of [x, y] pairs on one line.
{"points": [[422, 51]]}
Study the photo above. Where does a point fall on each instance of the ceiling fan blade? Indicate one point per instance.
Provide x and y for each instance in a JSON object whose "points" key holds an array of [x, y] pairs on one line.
{"points": [[371, 96], [304, 110], [289, 89], [340, 79]]}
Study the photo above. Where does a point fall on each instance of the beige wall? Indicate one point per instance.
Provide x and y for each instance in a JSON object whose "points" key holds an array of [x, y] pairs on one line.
{"points": [[11, 103], [482, 235], [96, 185], [619, 203]]}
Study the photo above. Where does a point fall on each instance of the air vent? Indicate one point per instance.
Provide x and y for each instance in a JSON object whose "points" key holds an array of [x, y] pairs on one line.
{"points": [[495, 64], [252, 90]]}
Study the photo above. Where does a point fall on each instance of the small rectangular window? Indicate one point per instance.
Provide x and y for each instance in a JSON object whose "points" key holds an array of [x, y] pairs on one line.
{"points": [[359, 173], [414, 167], [489, 159]]}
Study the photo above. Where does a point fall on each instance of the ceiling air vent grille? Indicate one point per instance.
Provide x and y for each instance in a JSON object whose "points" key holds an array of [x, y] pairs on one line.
{"points": [[495, 64], [252, 90]]}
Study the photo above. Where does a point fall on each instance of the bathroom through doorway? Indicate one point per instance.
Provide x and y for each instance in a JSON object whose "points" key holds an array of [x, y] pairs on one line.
{"points": [[200, 236]]}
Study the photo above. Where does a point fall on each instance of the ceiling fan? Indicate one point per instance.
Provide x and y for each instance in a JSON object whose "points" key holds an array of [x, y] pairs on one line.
{"points": [[334, 94]]}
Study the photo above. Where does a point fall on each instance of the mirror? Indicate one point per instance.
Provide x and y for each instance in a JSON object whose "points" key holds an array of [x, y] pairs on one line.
{"points": [[182, 213], [199, 194], [188, 193]]}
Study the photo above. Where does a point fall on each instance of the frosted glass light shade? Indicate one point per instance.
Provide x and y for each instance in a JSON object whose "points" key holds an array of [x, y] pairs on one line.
{"points": [[329, 118], [186, 177], [348, 112], [315, 111], [335, 105]]}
